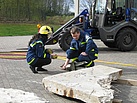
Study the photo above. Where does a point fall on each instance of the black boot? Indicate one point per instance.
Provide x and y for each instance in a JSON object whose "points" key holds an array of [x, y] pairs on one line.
{"points": [[41, 69], [33, 69]]}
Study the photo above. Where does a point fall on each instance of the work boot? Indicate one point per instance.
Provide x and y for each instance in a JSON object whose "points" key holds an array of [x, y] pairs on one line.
{"points": [[33, 69], [91, 65], [41, 69], [80, 64]]}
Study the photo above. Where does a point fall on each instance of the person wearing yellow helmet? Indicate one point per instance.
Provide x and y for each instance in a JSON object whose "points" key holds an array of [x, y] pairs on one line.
{"points": [[45, 30], [37, 55]]}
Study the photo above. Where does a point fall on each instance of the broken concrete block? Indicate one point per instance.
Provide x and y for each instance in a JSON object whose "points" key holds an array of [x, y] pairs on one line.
{"points": [[91, 85]]}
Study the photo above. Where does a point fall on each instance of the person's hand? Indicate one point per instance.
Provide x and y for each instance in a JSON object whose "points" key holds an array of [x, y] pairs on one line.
{"points": [[50, 51], [84, 53], [63, 66]]}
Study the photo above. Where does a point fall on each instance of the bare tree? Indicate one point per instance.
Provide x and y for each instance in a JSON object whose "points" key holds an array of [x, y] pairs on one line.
{"points": [[86, 4], [30, 10]]}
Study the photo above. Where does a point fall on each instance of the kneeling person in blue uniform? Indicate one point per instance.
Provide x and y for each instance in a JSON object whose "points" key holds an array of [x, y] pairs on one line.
{"points": [[82, 49], [38, 55]]}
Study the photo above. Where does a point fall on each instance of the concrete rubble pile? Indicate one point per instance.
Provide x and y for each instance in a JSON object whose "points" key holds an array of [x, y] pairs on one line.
{"points": [[91, 85]]}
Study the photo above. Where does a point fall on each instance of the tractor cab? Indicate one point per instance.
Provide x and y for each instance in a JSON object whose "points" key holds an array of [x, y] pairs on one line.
{"points": [[112, 18], [108, 13]]}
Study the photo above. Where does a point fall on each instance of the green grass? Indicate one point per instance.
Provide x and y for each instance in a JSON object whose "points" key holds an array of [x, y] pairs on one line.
{"points": [[20, 29]]}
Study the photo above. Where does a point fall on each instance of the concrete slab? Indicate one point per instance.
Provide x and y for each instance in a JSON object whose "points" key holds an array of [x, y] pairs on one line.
{"points": [[91, 85]]}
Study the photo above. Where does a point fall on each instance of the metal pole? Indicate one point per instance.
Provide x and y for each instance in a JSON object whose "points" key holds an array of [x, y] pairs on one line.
{"points": [[76, 2]]}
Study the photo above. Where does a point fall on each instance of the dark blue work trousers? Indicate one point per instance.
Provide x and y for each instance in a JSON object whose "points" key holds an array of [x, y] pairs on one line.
{"points": [[71, 54]]}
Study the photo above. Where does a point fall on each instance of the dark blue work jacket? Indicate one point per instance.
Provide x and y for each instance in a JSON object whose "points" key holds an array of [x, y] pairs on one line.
{"points": [[36, 50], [83, 44]]}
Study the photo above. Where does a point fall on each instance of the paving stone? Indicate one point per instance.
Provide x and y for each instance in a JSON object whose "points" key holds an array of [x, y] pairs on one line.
{"points": [[91, 85], [19, 69]]}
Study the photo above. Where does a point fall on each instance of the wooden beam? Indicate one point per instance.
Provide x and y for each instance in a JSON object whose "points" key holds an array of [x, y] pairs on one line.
{"points": [[117, 101], [130, 82]]}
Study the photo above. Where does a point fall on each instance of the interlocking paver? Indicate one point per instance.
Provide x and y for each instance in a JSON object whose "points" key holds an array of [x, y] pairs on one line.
{"points": [[17, 75]]}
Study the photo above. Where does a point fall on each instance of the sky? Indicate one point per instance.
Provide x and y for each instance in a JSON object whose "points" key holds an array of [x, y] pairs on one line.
{"points": [[83, 5]]}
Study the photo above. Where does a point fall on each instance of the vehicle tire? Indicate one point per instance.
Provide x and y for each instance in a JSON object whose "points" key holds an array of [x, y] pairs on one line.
{"points": [[110, 44], [126, 39], [65, 40]]}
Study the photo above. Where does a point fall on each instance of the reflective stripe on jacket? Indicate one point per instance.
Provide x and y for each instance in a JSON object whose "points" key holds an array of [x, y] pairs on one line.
{"points": [[36, 50]]}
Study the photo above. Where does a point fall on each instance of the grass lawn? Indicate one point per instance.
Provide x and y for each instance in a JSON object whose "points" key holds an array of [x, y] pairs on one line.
{"points": [[20, 29]]}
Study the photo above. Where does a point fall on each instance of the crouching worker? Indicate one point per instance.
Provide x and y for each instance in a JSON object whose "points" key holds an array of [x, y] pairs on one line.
{"points": [[82, 49], [38, 55]]}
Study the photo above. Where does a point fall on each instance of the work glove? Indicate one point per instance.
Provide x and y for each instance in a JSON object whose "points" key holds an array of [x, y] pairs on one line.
{"points": [[54, 56], [50, 51]]}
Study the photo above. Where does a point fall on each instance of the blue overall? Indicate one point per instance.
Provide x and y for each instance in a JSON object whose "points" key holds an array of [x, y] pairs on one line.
{"points": [[83, 44], [36, 55]]}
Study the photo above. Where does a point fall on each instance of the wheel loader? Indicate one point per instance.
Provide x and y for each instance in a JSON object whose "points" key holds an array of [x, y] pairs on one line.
{"points": [[114, 22]]}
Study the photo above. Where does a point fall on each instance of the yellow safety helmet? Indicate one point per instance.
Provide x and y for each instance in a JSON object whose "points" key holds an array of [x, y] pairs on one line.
{"points": [[45, 30]]}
